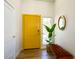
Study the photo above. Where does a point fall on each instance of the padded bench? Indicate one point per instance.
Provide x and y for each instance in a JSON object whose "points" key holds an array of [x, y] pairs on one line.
{"points": [[59, 52]]}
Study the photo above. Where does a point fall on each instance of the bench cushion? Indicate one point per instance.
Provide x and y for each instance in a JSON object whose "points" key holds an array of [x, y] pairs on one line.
{"points": [[59, 51]]}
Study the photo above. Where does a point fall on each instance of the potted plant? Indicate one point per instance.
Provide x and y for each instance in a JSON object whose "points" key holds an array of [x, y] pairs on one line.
{"points": [[51, 35]]}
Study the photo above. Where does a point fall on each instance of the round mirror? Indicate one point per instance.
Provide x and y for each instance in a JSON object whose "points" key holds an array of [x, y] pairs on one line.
{"points": [[62, 22]]}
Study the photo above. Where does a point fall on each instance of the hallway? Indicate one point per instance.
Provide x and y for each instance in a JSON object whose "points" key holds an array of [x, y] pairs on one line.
{"points": [[25, 23], [35, 54]]}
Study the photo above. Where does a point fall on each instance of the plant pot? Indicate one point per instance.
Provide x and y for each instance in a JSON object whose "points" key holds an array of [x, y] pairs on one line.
{"points": [[47, 48]]}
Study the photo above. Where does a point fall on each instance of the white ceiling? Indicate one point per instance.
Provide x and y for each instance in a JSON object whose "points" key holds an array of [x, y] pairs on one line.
{"points": [[46, 0], [40, 0]]}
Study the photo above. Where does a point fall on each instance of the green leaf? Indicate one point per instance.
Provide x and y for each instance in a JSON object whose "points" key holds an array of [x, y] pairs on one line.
{"points": [[47, 28], [50, 39], [50, 34], [47, 40], [53, 28]]}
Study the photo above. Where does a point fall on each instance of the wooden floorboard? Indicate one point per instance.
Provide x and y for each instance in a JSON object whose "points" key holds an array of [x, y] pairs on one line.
{"points": [[35, 54]]}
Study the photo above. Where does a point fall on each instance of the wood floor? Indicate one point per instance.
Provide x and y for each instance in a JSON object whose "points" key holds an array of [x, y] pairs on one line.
{"points": [[35, 54]]}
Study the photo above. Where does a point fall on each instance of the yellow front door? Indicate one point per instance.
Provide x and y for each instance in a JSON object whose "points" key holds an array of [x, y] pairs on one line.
{"points": [[31, 31]]}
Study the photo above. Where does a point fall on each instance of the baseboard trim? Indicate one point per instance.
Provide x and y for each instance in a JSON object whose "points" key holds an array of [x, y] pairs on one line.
{"points": [[18, 52]]}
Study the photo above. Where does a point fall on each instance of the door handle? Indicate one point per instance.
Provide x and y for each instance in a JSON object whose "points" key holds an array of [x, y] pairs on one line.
{"points": [[38, 30], [14, 36]]}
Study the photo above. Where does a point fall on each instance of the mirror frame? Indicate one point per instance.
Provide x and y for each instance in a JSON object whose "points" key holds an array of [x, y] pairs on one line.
{"points": [[64, 18]]}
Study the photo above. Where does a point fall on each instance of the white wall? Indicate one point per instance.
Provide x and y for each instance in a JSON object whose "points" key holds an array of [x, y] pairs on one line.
{"points": [[66, 38], [37, 7], [19, 29]]}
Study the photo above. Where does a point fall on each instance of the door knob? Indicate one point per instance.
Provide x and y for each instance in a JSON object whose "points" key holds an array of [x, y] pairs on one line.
{"points": [[38, 30], [13, 36]]}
